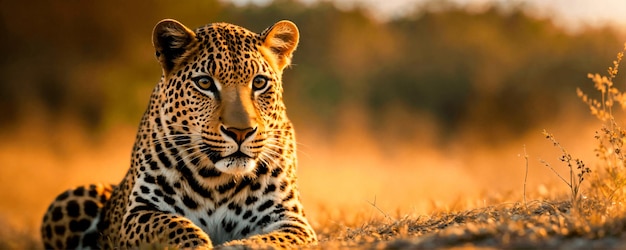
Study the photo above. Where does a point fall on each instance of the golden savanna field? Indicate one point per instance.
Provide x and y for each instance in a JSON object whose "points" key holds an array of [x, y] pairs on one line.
{"points": [[444, 127]]}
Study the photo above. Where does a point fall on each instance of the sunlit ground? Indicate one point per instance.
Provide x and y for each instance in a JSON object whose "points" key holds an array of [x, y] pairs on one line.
{"points": [[341, 180]]}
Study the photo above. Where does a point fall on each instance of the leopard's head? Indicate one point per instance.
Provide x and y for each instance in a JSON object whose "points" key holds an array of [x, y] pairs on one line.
{"points": [[219, 104]]}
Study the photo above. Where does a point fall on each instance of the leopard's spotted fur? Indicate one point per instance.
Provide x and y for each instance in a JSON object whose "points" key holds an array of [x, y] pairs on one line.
{"points": [[214, 161]]}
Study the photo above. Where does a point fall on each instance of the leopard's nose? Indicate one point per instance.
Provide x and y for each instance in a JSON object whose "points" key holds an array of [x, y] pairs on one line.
{"points": [[237, 134]]}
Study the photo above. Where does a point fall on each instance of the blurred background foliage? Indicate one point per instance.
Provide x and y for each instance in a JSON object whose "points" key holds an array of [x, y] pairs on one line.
{"points": [[495, 73]]}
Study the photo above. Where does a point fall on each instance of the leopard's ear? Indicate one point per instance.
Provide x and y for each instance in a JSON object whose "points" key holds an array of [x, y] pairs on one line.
{"points": [[279, 42], [171, 39]]}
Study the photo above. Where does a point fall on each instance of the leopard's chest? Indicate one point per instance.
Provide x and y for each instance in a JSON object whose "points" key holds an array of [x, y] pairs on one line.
{"points": [[232, 222], [233, 210]]}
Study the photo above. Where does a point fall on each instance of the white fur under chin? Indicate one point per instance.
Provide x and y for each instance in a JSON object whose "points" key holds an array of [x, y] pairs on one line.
{"points": [[235, 165]]}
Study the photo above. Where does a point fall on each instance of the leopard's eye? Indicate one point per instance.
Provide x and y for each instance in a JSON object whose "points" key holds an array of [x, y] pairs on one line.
{"points": [[259, 83], [205, 83]]}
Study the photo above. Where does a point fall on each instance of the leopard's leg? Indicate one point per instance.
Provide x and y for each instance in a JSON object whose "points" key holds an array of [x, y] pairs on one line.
{"points": [[285, 234], [157, 228], [71, 220]]}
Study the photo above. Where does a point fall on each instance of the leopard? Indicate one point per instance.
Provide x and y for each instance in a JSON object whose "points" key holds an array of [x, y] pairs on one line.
{"points": [[214, 159]]}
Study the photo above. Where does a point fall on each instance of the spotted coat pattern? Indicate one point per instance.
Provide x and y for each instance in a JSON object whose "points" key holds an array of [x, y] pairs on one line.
{"points": [[214, 161]]}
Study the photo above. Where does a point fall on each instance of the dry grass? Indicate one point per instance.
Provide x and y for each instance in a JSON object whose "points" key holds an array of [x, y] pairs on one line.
{"points": [[592, 219], [595, 219], [542, 224]]}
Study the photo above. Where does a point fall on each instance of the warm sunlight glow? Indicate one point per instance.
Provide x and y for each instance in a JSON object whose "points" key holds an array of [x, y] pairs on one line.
{"points": [[418, 123]]}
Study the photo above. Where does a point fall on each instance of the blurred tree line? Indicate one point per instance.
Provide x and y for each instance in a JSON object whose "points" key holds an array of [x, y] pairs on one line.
{"points": [[497, 71]]}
